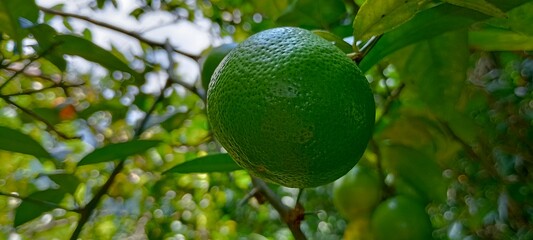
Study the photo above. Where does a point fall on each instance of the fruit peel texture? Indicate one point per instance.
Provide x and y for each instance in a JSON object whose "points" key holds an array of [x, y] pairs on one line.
{"points": [[291, 108]]}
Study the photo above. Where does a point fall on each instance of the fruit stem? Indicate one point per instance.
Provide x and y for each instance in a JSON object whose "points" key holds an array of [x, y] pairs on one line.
{"points": [[366, 49], [300, 193]]}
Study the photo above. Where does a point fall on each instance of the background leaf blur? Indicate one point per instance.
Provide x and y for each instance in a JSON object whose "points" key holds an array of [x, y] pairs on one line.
{"points": [[452, 80]]}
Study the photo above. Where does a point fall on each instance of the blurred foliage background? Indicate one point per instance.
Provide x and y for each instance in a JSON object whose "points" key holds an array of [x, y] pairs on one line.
{"points": [[452, 83]]}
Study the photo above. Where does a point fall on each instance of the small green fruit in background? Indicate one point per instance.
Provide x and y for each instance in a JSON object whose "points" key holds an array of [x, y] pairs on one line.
{"points": [[357, 193], [214, 57], [401, 218]]}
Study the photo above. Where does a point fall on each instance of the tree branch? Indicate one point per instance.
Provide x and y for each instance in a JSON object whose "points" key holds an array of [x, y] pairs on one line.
{"points": [[395, 94], [291, 216], [172, 76], [88, 210], [117, 29], [36, 116], [43, 89], [470, 151], [16, 73], [358, 57]]}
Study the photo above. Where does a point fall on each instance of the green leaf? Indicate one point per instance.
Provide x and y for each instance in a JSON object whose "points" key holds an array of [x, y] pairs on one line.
{"points": [[428, 24], [15, 141], [377, 17], [74, 45], [271, 9], [68, 183], [435, 71], [45, 35], [207, 164], [49, 114], [10, 14], [309, 14], [518, 20], [118, 151], [479, 5], [336, 40], [495, 39], [417, 169], [44, 202]]}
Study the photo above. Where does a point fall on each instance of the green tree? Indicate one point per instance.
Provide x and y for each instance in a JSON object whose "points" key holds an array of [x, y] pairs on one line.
{"points": [[100, 142]]}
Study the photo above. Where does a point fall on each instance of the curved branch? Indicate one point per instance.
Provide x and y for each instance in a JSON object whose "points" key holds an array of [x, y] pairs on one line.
{"points": [[117, 29]]}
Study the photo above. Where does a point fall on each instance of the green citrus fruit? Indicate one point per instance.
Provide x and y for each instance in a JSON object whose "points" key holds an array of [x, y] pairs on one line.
{"points": [[401, 218], [214, 57], [357, 193], [291, 108]]}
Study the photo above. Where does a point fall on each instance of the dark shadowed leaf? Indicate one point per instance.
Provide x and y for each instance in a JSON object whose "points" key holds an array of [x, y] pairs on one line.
{"points": [[74, 45], [436, 70], [11, 12], [271, 9], [479, 5], [495, 39], [44, 201], [118, 151], [428, 24], [312, 14], [68, 183], [45, 35], [417, 169], [207, 164], [378, 17], [15, 141]]}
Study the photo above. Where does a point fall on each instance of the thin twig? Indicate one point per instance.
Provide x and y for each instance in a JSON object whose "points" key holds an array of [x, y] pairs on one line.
{"points": [[248, 196], [358, 57], [395, 94], [36, 116], [117, 29], [43, 89], [47, 78], [15, 74], [172, 75], [87, 211], [33, 200], [470, 151], [387, 190], [31, 60]]}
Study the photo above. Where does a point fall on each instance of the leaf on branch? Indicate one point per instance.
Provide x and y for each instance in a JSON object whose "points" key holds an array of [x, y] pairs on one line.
{"points": [[10, 14], [118, 151], [206, 164], [323, 14], [480, 6], [377, 17], [44, 202], [68, 183], [495, 39], [15, 141], [425, 25], [436, 69], [418, 170], [79, 46], [45, 35]]}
